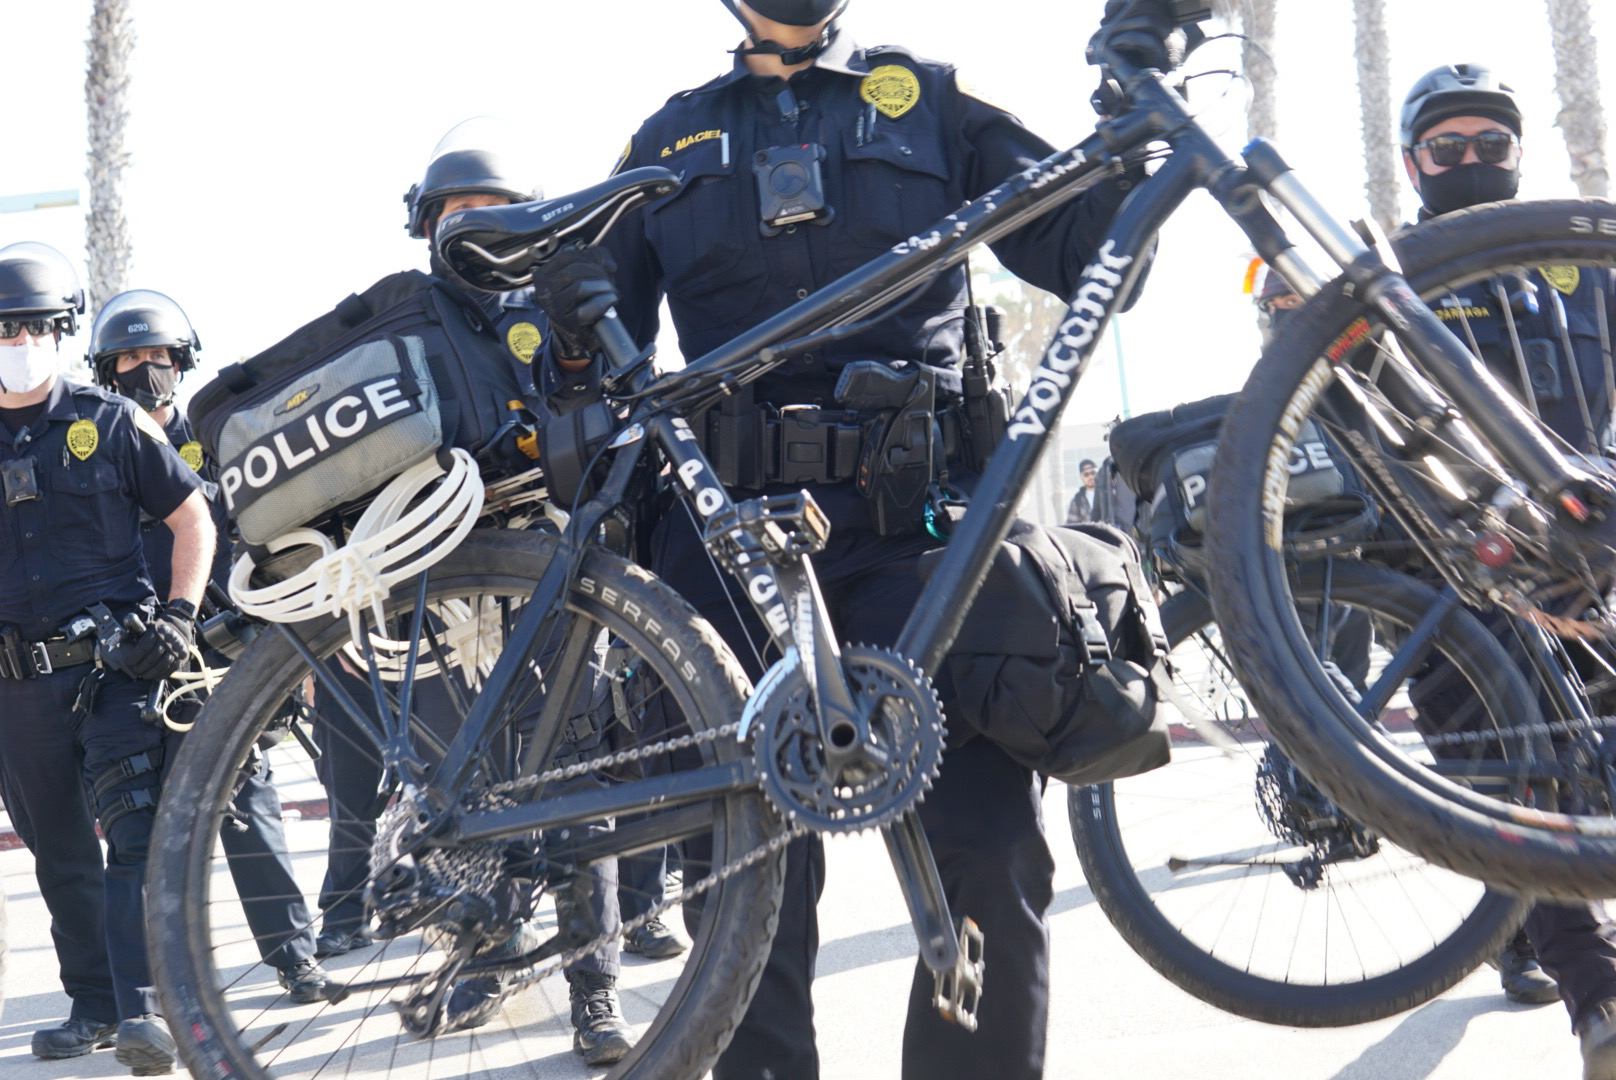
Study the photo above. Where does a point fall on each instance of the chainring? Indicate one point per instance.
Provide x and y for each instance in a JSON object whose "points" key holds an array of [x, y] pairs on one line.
{"points": [[906, 725]]}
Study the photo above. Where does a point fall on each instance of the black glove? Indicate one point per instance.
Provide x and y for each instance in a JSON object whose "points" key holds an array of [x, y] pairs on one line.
{"points": [[163, 648], [575, 288], [1145, 36]]}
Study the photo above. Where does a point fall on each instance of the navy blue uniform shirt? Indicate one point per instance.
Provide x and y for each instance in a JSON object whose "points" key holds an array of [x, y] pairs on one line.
{"points": [[99, 462], [904, 147], [1551, 300], [157, 539]]}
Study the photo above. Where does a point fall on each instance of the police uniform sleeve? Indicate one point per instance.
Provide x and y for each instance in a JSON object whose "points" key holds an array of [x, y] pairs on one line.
{"points": [[156, 474], [639, 273], [991, 145]]}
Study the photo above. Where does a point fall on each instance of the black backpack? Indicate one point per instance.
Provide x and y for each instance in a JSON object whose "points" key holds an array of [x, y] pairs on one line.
{"points": [[344, 403], [1057, 657]]}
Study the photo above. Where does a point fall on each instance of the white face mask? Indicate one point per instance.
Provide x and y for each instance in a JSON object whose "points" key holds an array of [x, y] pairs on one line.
{"points": [[26, 367]]}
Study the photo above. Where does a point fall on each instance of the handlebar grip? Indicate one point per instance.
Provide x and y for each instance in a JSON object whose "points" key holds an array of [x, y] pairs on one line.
{"points": [[614, 341]]}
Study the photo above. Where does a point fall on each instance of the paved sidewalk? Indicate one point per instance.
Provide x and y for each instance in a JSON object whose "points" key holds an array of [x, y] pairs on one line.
{"points": [[1112, 1016]]}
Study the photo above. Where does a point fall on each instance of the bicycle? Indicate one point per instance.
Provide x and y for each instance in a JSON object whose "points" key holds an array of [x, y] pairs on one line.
{"points": [[1502, 513], [525, 628], [1233, 876]]}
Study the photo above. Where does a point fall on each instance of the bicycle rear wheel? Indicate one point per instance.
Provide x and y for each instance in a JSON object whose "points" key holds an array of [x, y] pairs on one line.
{"points": [[1335, 365], [655, 673], [1231, 875]]}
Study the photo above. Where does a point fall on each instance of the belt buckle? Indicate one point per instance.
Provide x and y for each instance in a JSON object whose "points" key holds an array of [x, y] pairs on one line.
{"points": [[41, 658]]}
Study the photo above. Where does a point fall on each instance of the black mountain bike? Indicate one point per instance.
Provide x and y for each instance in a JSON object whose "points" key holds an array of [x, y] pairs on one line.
{"points": [[1235, 877], [587, 691]]}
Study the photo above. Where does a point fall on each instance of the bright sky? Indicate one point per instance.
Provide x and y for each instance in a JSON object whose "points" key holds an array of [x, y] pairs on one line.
{"points": [[270, 143]]}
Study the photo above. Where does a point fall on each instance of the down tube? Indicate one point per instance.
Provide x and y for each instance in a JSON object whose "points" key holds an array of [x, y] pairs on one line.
{"points": [[1105, 285]]}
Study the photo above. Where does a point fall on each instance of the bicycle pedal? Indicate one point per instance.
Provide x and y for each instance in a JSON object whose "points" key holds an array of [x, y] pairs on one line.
{"points": [[771, 527], [959, 991]]}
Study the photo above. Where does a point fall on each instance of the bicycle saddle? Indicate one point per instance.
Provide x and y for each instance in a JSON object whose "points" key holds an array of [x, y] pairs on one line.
{"points": [[495, 248]]}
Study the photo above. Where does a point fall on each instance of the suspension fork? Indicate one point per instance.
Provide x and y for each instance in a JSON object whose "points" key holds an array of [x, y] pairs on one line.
{"points": [[1482, 399]]}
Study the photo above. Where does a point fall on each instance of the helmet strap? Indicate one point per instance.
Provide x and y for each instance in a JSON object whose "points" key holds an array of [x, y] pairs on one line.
{"points": [[789, 57]]}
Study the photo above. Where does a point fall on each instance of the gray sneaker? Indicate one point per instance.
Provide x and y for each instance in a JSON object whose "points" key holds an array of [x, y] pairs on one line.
{"points": [[145, 1045]]}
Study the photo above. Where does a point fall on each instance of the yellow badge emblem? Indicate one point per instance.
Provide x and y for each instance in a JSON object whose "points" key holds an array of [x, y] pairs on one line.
{"points": [[143, 420], [1563, 278], [83, 438], [628, 148], [524, 340], [191, 452], [891, 88]]}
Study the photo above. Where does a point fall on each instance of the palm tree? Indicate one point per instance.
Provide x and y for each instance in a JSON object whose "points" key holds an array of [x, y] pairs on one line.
{"points": [[106, 90], [1257, 18], [1576, 81], [1375, 110]]}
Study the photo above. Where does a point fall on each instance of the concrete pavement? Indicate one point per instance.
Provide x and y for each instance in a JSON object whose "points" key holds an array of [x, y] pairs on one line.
{"points": [[1111, 1015]]}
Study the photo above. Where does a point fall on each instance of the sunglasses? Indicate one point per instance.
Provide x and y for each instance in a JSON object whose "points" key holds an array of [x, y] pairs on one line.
{"points": [[10, 328], [1448, 150]]}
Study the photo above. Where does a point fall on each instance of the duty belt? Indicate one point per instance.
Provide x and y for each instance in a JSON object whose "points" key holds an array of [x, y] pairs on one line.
{"points": [[31, 659], [801, 444]]}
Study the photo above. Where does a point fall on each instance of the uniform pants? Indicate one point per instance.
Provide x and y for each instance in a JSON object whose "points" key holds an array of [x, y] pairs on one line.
{"points": [[1575, 943], [641, 881], [271, 898], [49, 759], [982, 820], [351, 770]]}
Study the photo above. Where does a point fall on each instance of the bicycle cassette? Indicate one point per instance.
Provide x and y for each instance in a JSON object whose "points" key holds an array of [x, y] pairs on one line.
{"points": [[905, 722]]}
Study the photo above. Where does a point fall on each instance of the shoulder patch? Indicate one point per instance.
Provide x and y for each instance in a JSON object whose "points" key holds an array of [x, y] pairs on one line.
{"points": [[191, 453], [1563, 278], [149, 427], [891, 88], [622, 159], [82, 438], [524, 339]]}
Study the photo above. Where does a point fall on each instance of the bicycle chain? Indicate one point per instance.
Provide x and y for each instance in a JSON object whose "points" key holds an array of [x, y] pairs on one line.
{"points": [[524, 785], [1555, 727]]}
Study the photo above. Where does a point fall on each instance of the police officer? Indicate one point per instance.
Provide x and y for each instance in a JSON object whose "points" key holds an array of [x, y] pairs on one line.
{"points": [[884, 144], [84, 638], [479, 162], [1461, 135], [141, 346]]}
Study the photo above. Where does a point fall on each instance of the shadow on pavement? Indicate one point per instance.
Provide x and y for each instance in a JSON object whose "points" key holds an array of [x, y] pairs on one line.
{"points": [[1415, 1047]]}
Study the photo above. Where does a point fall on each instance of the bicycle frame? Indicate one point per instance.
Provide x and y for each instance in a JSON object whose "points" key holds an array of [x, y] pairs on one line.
{"points": [[781, 586]]}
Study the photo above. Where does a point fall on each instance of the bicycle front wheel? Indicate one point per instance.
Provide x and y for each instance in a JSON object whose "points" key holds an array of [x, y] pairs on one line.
{"points": [[1231, 875], [652, 675], [1336, 363]]}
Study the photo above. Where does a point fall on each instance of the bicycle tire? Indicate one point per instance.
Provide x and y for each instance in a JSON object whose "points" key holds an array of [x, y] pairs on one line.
{"points": [[1373, 938], [1523, 849], [214, 1017]]}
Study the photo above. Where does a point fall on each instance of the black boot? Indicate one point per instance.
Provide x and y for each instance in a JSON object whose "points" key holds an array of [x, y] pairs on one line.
{"points": [[145, 1046], [73, 1037], [1523, 980], [599, 1032]]}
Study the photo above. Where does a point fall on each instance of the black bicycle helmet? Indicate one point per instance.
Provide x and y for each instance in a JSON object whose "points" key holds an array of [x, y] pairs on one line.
{"points": [[36, 279], [790, 12], [1457, 90], [480, 156], [140, 319]]}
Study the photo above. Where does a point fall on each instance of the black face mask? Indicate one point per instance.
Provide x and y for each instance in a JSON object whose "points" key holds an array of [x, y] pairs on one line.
{"points": [[1467, 185], [147, 385]]}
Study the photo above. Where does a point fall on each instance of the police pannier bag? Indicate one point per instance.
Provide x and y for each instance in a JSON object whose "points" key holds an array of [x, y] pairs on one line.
{"points": [[352, 399], [1057, 659], [1166, 458]]}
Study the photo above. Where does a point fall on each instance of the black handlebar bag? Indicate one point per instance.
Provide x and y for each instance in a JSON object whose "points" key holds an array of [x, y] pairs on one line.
{"points": [[1057, 658], [345, 403]]}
